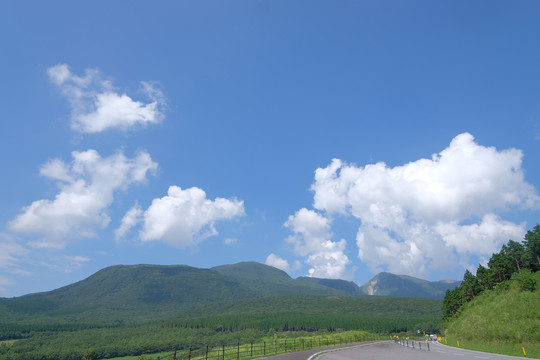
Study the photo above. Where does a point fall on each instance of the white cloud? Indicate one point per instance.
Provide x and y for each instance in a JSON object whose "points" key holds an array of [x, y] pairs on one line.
{"points": [[480, 238], [132, 217], [186, 217], [87, 187], [10, 252], [97, 107], [230, 241], [312, 239], [277, 262], [65, 263], [424, 215]]}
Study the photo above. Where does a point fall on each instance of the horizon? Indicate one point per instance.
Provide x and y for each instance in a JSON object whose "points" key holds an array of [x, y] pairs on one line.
{"points": [[332, 140]]}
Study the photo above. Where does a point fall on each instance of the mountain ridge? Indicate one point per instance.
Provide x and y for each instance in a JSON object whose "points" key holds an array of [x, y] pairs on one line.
{"points": [[141, 291]]}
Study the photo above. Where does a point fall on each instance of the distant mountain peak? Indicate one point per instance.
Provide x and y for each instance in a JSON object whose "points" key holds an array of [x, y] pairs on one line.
{"points": [[388, 284]]}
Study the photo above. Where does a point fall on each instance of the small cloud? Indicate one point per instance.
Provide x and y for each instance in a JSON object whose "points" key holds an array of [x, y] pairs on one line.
{"points": [[65, 263], [87, 187], [132, 218], [182, 218], [97, 107], [230, 241], [278, 262]]}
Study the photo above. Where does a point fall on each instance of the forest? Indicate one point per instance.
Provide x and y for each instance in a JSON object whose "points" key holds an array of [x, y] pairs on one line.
{"points": [[515, 261], [216, 324]]}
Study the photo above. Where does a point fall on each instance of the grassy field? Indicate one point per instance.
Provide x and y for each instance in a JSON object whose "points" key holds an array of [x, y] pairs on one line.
{"points": [[514, 349], [268, 346], [504, 320]]}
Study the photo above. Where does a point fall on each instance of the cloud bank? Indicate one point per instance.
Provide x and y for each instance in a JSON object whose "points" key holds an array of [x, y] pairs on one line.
{"points": [[427, 214], [87, 187], [97, 107], [181, 218]]}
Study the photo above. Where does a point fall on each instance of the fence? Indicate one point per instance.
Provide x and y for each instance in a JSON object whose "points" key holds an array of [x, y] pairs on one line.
{"points": [[263, 349], [405, 342]]}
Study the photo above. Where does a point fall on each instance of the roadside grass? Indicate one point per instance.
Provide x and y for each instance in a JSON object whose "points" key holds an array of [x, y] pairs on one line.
{"points": [[503, 320], [497, 347], [272, 345]]}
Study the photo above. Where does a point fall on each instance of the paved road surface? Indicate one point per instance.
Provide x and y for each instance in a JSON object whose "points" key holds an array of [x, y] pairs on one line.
{"points": [[389, 350]]}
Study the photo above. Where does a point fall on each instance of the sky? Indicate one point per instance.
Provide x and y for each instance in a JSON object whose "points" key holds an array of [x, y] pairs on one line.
{"points": [[333, 139]]}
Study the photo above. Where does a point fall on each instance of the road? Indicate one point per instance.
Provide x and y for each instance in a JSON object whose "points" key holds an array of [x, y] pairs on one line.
{"points": [[388, 350]]}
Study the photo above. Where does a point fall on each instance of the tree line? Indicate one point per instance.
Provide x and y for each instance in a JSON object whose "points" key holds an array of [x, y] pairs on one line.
{"points": [[515, 260]]}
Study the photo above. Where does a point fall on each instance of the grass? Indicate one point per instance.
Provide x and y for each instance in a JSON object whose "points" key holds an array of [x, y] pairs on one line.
{"points": [[503, 321], [279, 344], [7, 342], [497, 347]]}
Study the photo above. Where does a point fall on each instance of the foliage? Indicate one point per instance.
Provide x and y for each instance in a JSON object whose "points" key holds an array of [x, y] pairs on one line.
{"points": [[224, 322], [507, 314], [515, 261]]}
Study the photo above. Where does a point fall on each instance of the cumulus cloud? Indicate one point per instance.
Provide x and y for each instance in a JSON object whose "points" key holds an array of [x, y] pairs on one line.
{"points": [[183, 217], [87, 186], [427, 214], [312, 239], [277, 262], [97, 107], [430, 213]]}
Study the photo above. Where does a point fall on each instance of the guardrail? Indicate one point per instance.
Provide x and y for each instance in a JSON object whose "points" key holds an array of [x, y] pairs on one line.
{"points": [[411, 343], [263, 349]]}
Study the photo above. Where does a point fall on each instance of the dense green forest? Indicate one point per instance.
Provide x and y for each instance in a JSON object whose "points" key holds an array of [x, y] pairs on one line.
{"points": [[498, 309], [219, 323], [516, 260]]}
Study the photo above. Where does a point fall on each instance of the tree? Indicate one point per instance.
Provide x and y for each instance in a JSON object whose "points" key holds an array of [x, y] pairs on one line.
{"points": [[486, 277], [502, 267], [532, 248], [452, 302], [470, 286]]}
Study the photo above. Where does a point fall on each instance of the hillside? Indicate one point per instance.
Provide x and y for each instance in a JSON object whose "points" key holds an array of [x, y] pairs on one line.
{"points": [[130, 310], [138, 292], [501, 320], [348, 287], [387, 284], [266, 280], [154, 291]]}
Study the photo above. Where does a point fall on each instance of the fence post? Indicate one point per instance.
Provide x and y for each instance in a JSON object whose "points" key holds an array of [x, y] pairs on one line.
{"points": [[223, 351], [189, 356], [285, 345], [264, 348], [428, 346], [206, 354], [174, 356], [251, 352]]}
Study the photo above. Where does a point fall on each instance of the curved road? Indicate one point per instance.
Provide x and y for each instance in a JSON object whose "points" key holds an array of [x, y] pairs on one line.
{"points": [[388, 350]]}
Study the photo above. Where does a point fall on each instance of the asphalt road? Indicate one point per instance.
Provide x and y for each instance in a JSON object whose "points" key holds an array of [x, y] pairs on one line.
{"points": [[388, 350]]}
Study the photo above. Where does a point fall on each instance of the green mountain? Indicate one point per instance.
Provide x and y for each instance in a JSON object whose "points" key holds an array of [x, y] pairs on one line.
{"points": [[387, 284], [154, 291], [268, 281], [142, 292], [348, 287]]}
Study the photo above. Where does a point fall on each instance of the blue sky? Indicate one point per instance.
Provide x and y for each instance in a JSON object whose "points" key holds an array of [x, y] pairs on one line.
{"points": [[327, 138]]}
